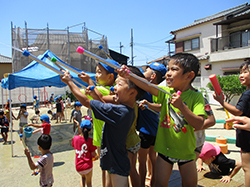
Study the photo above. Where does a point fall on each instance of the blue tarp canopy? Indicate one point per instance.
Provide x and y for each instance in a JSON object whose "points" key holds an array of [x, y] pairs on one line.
{"points": [[36, 75]]}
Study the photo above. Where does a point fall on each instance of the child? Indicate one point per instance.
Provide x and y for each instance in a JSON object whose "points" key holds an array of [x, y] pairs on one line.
{"points": [[58, 110], [7, 114], [53, 115], [45, 127], [23, 116], [45, 162], [218, 162], [175, 140], [241, 109], [147, 122], [118, 120], [4, 127], [68, 102], [105, 75], [85, 151], [51, 100], [77, 115], [62, 104], [35, 103], [36, 117]]}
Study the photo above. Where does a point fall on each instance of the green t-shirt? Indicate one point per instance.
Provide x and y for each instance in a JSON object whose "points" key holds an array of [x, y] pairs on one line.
{"points": [[98, 124], [168, 142]]}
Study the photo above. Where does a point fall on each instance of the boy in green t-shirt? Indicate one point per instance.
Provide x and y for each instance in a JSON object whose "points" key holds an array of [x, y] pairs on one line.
{"points": [[180, 115], [105, 75]]}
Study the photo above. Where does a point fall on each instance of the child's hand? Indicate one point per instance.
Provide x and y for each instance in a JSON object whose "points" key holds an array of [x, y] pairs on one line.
{"points": [[35, 172], [85, 77], [244, 120], [176, 101], [219, 98], [200, 168], [27, 152], [226, 179], [142, 104], [66, 78], [123, 71]]}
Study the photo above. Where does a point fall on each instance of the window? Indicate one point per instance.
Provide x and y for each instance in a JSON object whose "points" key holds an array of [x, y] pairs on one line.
{"points": [[239, 39], [191, 44]]}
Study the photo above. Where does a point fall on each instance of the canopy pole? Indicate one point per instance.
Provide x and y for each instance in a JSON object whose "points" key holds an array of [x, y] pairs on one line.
{"points": [[2, 96], [11, 126]]}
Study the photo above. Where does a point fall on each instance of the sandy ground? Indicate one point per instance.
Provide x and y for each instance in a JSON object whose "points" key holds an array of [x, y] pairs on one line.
{"points": [[15, 171]]}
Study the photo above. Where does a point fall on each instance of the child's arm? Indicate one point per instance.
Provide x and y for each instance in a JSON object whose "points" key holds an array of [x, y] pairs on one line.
{"points": [[227, 179], [244, 120], [30, 161], [95, 94], [37, 130], [14, 117], [209, 122], [196, 121], [232, 109], [35, 125], [123, 71], [22, 113], [83, 99], [154, 106]]}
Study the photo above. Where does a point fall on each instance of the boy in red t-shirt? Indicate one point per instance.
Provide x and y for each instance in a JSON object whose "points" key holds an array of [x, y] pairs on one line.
{"points": [[44, 127]]}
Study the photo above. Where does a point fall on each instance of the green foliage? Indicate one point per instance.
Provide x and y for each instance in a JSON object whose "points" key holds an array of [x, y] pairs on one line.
{"points": [[71, 96], [230, 86]]}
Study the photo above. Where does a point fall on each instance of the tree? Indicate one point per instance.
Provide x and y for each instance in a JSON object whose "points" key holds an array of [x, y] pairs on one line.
{"points": [[230, 85]]}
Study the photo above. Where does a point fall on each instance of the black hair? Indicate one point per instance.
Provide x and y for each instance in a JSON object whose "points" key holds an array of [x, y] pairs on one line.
{"points": [[1, 112], [44, 141], [137, 72], [49, 111], [8, 105], [85, 133], [188, 62], [245, 65], [37, 111], [159, 76], [22, 106]]}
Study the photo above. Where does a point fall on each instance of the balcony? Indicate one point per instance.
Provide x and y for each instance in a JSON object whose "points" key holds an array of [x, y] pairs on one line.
{"points": [[232, 41]]}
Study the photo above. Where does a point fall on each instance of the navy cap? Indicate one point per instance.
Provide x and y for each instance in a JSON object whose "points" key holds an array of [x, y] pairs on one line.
{"points": [[108, 68], [158, 67], [23, 105], [86, 124], [45, 118], [77, 103]]}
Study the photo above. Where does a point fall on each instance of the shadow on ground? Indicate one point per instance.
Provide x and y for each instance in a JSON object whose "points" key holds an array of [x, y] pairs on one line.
{"points": [[60, 134]]}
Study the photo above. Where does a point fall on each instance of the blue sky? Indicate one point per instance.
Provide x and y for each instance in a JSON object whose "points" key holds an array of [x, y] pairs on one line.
{"points": [[151, 21]]}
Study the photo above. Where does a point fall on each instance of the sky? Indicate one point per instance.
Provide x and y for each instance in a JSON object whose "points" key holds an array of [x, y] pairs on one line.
{"points": [[151, 21]]}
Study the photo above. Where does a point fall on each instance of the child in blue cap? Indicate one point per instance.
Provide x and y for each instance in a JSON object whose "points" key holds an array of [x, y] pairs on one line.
{"points": [[85, 152], [44, 127], [77, 114], [36, 103]]}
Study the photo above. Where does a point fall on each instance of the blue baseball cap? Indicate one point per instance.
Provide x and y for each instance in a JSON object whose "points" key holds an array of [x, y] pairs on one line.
{"points": [[45, 118], [86, 124], [23, 105], [35, 97], [158, 67], [52, 94], [77, 103], [108, 68]]}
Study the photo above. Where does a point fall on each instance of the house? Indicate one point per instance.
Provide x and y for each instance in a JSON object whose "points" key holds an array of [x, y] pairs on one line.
{"points": [[5, 66], [220, 41]]}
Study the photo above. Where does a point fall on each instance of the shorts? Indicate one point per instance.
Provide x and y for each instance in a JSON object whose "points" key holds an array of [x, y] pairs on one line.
{"points": [[146, 140], [85, 172], [22, 124], [4, 129], [198, 149], [135, 148], [173, 160]]}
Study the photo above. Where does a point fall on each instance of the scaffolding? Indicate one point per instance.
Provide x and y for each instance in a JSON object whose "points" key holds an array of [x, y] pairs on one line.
{"points": [[62, 43]]}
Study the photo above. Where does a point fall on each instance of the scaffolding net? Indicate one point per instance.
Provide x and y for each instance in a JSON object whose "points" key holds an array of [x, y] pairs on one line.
{"points": [[60, 42]]}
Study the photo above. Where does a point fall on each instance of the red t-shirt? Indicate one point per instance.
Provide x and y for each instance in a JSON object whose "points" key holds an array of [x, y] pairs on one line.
{"points": [[83, 160], [46, 128]]}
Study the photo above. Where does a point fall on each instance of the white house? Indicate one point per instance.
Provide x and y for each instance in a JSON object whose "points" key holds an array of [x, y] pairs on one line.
{"points": [[220, 41]]}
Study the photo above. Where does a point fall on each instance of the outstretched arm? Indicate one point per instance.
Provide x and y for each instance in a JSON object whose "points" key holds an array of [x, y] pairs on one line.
{"points": [[83, 99], [232, 109], [30, 161], [227, 179], [244, 120], [124, 72]]}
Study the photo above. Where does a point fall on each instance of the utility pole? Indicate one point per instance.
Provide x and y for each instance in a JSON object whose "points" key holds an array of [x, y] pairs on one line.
{"points": [[121, 46], [131, 44]]}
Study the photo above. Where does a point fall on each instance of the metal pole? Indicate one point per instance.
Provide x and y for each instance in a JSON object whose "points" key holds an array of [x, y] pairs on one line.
{"points": [[2, 96], [26, 33], [47, 36], [69, 61], [132, 58], [11, 127]]}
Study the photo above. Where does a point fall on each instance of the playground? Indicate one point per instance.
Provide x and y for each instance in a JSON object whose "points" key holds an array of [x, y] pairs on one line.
{"points": [[17, 172]]}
